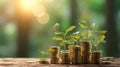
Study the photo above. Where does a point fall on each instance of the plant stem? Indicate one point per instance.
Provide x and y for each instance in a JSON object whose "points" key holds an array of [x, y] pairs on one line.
{"points": [[64, 37], [96, 48], [65, 47], [77, 42]]}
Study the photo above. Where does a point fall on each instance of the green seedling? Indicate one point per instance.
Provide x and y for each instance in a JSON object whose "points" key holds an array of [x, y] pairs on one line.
{"points": [[43, 53], [98, 38], [63, 36], [86, 30]]}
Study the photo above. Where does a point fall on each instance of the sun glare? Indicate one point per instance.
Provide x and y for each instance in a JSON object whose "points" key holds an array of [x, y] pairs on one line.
{"points": [[38, 9], [44, 19], [27, 4]]}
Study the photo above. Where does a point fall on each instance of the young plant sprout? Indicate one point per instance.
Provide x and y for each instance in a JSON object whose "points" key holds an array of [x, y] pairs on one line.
{"points": [[98, 38], [44, 60], [50, 50], [43, 53], [86, 30], [86, 33], [74, 37], [63, 36]]}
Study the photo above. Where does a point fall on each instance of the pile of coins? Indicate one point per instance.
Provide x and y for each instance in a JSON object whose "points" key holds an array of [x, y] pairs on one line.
{"points": [[65, 57], [54, 55], [86, 52], [77, 55], [96, 55], [44, 61], [71, 53]]}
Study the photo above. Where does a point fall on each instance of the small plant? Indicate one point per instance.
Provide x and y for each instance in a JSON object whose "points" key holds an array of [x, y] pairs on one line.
{"points": [[50, 50], [44, 60], [43, 53], [86, 30], [89, 33], [84, 34], [63, 36], [98, 37], [75, 37], [46, 52]]}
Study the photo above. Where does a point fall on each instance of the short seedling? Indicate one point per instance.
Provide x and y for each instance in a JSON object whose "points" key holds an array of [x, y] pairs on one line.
{"points": [[43, 53], [64, 36], [98, 37], [86, 29], [44, 60]]}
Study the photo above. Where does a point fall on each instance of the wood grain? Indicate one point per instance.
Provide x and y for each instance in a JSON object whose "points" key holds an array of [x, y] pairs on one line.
{"points": [[33, 62]]}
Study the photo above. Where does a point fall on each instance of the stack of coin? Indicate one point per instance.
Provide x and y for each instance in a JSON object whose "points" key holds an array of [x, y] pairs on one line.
{"points": [[44, 61], [65, 57], [77, 55], [86, 52], [71, 53], [96, 55], [107, 59], [54, 55]]}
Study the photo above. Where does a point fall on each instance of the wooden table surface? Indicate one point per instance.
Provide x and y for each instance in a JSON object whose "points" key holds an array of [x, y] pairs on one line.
{"points": [[33, 62]]}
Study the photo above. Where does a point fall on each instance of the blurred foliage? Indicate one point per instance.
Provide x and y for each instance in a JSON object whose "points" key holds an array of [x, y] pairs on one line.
{"points": [[96, 5], [59, 12], [8, 40], [63, 36], [117, 4]]}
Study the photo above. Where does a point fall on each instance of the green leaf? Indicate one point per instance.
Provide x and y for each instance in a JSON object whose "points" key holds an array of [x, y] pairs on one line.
{"points": [[84, 23], [101, 32], [62, 43], [70, 28], [69, 41], [78, 32], [43, 52], [76, 36], [51, 50], [57, 33], [95, 45], [56, 27], [92, 26], [85, 34], [101, 38], [58, 38], [84, 27]]}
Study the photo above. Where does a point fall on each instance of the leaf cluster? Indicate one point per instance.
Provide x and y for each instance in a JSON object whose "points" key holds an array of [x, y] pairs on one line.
{"points": [[64, 37], [86, 32], [86, 29], [98, 37]]}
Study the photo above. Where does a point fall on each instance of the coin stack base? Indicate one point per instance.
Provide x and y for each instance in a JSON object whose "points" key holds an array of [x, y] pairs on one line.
{"points": [[77, 55], [86, 58], [54, 55], [86, 52], [55, 61], [65, 57], [96, 55], [44, 61], [71, 53]]}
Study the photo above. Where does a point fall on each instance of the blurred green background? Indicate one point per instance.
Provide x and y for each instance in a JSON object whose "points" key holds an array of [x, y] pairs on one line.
{"points": [[105, 13]]}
